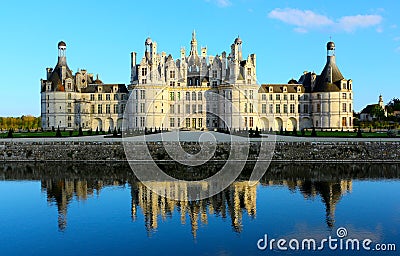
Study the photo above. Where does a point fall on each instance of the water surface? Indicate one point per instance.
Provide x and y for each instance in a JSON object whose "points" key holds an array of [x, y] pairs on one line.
{"points": [[72, 209]]}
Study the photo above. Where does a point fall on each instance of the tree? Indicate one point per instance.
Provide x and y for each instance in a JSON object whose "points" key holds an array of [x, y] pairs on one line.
{"points": [[393, 105], [378, 112]]}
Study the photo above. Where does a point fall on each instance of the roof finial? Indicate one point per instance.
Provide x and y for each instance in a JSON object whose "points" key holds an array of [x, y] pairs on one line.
{"points": [[97, 76], [194, 35]]}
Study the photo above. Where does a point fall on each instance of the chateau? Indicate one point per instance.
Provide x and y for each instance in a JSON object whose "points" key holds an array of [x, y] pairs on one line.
{"points": [[197, 92]]}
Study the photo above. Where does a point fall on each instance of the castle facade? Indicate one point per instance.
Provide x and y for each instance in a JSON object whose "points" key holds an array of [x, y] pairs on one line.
{"points": [[198, 92]]}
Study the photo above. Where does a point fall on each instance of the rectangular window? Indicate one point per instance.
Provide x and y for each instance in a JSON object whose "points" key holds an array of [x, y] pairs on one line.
{"points": [[194, 109], [214, 83], [278, 97], [178, 121], [172, 96], [142, 107], [172, 109], [69, 96], [179, 95], [200, 109], [271, 108], [122, 108], [108, 109], [187, 122], [251, 94], [179, 109], [172, 122], [200, 122], [187, 109], [245, 122], [291, 96], [214, 74], [100, 97], [245, 107], [344, 121], [285, 97], [115, 109], [251, 121], [199, 96], [171, 83], [344, 107], [142, 121], [305, 107], [115, 96], [350, 108], [69, 104], [318, 108], [291, 108], [344, 96], [99, 109], [264, 97], [249, 71], [92, 109], [172, 74], [142, 94], [251, 107], [69, 125], [69, 118], [264, 108], [107, 96], [285, 108], [248, 81], [270, 97], [193, 95], [187, 95], [144, 71], [277, 108]]}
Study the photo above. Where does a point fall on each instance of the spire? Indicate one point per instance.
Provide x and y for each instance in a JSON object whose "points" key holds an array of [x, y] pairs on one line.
{"points": [[193, 44]]}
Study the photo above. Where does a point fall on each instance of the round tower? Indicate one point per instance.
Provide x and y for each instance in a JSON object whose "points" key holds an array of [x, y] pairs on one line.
{"points": [[62, 48]]}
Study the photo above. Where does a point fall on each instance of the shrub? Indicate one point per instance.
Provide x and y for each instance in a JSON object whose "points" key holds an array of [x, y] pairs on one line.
{"points": [[10, 133], [391, 133], [359, 133], [58, 132], [294, 132], [80, 132], [313, 132]]}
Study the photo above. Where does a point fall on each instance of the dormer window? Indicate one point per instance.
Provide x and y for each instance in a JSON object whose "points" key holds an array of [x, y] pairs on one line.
{"points": [[284, 89], [270, 89]]}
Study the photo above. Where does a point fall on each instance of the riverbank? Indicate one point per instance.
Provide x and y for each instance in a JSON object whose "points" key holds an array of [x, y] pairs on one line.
{"points": [[286, 149]]}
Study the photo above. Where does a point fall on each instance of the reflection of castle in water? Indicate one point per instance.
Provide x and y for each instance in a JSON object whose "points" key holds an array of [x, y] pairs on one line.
{"points": [[64, 184], [329, 191], [62, 192], [236, 200]]}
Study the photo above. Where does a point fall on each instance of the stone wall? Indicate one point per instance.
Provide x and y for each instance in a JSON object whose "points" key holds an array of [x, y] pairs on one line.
{"points": [[284, 151]]}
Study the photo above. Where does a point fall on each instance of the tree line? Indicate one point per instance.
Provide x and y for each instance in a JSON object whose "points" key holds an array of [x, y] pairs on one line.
{"points": [[20, 123]]}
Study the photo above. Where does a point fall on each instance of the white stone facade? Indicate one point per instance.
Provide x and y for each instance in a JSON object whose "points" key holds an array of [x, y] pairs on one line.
{"points": [[70, 101], [196, 91]]}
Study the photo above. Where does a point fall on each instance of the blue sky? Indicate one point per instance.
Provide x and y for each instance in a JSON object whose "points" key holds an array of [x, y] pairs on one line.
{"points": [[288, 37]]}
